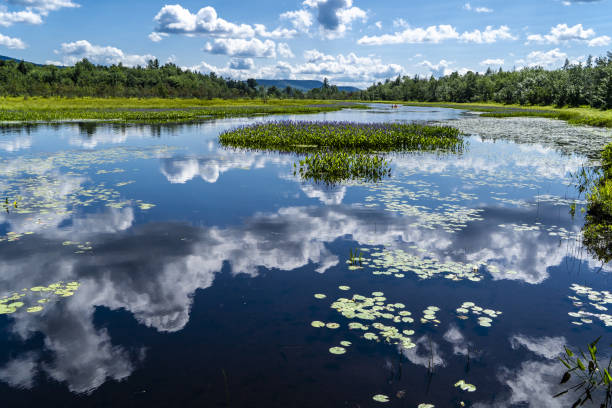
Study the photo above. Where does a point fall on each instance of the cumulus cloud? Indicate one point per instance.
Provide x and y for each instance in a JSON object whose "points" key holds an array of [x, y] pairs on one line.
{"points": [[438, 34], [277, 33], [285, 51], [563, 33], [175, 19], [301, 20], [8, 18], [106, 55], [10, 42], [544, 58], [341, 68], [242, 47], [157, 37]]}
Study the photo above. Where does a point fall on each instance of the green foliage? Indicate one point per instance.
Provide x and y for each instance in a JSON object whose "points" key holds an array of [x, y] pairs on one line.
{"points": [[573, 85], [592, 375], [340, 151], [300, 136], [336, 166], [597, 230]]}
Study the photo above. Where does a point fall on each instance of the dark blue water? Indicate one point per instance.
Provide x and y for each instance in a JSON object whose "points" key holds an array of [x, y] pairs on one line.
{"points": [[173, 272]]}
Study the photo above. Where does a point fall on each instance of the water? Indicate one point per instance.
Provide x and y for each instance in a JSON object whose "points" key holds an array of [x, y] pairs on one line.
{"points": [[195, 269]]}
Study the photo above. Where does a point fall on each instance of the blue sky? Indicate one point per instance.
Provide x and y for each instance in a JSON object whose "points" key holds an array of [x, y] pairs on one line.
{"points": [[352, 42]]}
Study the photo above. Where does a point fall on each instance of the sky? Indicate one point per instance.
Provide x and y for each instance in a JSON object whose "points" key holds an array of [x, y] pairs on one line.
{"points": [[350, 42]]}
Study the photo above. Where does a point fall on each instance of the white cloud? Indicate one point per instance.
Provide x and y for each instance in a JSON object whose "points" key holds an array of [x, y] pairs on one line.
{"points": [[10, 42], [285, 51], [242, 48], [492, 61], [106, 55], [8, 18], [261, 31], [175, 19], [440, 69], [564, 33], [599, 41], [378, 25], [437, 34], [340, 69], [317, 56], [489, 35], [157, 37], [545, 59], [44, 6], [301, 20]]}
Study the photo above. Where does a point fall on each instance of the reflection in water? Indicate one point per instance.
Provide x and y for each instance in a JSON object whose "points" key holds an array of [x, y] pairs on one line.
{"points": [[153, 271]]}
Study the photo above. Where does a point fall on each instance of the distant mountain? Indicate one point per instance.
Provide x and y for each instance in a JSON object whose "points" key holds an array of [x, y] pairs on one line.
{"points": [[5, 58], [302, 85]]}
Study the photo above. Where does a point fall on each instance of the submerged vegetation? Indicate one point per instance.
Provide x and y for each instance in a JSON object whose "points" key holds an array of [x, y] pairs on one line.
{"points": [[339, 151]]}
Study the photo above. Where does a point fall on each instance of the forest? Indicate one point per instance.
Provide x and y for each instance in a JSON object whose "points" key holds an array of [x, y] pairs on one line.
{"points": [[588, 84]]}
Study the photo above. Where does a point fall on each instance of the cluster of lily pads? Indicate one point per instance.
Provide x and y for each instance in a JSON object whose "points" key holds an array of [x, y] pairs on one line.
{"points": [[597, 300], [485, 321], [14, 302], [553, 230], [343, 151], [397, 262], [372, 311], [449, 216]]}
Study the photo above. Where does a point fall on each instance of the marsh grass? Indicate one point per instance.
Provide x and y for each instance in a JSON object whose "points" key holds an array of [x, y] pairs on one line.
{"points": [[341, 151], [364, 137], [155, 110]]}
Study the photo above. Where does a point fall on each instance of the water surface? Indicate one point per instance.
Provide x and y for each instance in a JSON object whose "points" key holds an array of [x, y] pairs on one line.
{"points": [[173, 272]]}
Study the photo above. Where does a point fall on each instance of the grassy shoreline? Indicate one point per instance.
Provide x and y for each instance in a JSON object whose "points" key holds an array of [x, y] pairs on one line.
{"points": [[154, 110], [576, 116]]}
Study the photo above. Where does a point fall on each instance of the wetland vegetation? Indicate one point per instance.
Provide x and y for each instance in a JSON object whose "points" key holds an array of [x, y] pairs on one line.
{"points": [[340, 151]]}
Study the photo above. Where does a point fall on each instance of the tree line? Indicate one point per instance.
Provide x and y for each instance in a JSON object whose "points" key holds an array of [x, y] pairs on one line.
{"points": [[572, 85]]}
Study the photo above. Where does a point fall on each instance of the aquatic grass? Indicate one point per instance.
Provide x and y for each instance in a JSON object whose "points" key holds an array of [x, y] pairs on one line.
{"points": [[334, 167], [341, 151], [155, 115], [374, 137]]}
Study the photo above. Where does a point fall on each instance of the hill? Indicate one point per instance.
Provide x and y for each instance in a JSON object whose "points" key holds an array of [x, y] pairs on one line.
{"points": [[5, 58], [302, 85]]}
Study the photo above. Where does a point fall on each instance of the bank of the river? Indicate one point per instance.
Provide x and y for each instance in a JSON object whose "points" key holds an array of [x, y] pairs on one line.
{"points": [[575, 116], [134, 110]]}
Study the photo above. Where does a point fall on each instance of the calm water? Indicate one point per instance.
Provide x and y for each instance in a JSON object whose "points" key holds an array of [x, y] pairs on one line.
{"points": [[172, 272]]}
